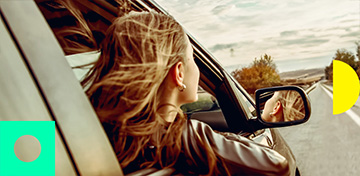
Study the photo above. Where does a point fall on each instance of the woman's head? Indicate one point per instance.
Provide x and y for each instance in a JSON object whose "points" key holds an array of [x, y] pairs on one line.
{"points": [[141, 53], [145, 60], [285, 105]]}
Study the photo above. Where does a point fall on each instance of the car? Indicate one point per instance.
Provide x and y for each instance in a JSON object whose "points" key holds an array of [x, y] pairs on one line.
{"points": [[40, 81]]}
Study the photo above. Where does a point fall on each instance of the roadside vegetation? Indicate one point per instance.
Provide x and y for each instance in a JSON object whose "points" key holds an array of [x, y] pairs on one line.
{"points": [[347, 57], [261, 73]]}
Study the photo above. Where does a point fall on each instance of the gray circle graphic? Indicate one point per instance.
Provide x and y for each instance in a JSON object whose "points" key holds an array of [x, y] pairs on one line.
{"points": [[27, 148]]}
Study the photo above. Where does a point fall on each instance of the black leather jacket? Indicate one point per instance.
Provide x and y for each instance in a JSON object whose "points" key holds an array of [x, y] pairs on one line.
{"points": [[241, 155]]}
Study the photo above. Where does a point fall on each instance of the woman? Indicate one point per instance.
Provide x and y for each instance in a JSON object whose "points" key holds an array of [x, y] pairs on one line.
{"points": [[145, 72], [284, 106]]}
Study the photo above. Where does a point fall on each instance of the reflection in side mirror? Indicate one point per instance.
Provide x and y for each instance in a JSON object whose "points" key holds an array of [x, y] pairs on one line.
{"points": [[282, 105]]}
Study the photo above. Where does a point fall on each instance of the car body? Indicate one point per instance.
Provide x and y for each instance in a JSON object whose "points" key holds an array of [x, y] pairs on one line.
{"points": [[37, 83]]}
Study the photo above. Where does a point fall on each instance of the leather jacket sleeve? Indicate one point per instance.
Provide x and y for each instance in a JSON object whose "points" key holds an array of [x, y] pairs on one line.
{"points": [[241, 155]]}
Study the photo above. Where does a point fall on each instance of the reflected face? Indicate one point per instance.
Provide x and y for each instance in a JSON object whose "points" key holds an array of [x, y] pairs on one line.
{"points": [[192, 75]]}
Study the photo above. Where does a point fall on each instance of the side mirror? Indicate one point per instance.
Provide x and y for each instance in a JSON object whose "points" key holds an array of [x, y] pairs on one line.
{"points": [[281, 106]]}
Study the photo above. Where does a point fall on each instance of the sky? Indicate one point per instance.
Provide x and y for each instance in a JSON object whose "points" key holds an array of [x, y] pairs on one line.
{"points": [[298, 34]]}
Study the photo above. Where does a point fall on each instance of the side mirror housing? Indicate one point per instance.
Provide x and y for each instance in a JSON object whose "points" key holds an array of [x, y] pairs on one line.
{"points": [[281, 106]]}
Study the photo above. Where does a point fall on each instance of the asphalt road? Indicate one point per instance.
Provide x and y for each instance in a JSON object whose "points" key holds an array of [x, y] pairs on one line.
{"points": [[327, 144]]}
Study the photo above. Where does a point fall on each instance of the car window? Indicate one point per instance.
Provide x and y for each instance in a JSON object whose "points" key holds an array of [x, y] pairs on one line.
{"points": [[205, 102], [249, 101], [249, 106], [206, 108], [76, 60]]}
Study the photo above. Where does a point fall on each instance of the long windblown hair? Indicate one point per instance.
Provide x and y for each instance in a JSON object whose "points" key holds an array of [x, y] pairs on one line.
{"points": [[126, 84], [127, 81], [293, 105]]}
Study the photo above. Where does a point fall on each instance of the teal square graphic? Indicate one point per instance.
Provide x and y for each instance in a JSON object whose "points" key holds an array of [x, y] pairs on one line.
{"points": [[11, 131]]}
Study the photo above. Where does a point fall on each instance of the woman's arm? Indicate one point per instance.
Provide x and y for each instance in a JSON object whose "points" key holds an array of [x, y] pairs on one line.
{"points": [[240, 155]]}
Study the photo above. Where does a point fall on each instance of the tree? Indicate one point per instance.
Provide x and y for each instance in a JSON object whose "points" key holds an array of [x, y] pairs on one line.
{"points": [[345, 56], [329, 72], [358, 49], [261, 73], [358, 56]]}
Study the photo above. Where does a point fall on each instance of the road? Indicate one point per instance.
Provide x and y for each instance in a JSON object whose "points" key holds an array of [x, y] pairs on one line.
{"points": [[327, 144]]}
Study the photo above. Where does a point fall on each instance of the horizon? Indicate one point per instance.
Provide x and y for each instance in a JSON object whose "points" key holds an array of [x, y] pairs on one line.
{"points": [[288, 65]]}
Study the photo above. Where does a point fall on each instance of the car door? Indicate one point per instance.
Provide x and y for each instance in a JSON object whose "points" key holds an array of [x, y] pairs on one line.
{"points": [[21, 99], [38, 84]]}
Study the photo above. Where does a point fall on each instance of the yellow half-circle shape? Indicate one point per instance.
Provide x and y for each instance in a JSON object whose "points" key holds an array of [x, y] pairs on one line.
{"points": [[345, 87]]}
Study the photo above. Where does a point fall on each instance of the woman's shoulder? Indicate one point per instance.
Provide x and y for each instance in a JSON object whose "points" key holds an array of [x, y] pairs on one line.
{"points": [[196, 124], [236, 151]]}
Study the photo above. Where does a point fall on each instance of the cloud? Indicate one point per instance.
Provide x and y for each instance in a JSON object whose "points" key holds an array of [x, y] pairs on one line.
{"points": [[350, 21], [288, 33], [354, 34], [307, 41], [210, 27], [218, 47], [221, 9]]}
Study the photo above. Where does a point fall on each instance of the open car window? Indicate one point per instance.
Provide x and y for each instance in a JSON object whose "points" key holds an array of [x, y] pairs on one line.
{"points": [[206, 108], [205, 102]]}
